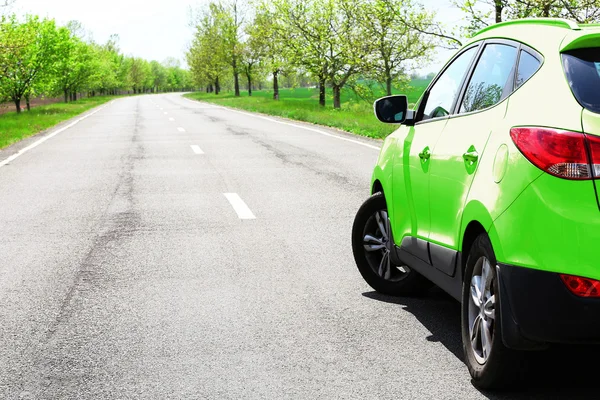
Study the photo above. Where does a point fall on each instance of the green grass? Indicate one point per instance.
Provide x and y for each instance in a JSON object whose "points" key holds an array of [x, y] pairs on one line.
{"points": [[15, 127], [302, 104]]}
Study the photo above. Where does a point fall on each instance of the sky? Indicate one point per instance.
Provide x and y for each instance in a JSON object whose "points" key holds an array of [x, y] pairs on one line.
{"points": [[155, 30], [449, 16]]}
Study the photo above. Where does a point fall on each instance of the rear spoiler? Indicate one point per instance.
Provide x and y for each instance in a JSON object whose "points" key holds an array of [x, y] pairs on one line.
{"points": [[579, 41]]}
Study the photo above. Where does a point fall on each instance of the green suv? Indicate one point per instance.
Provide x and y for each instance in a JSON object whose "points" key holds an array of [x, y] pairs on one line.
{"points": [[490, 190]]}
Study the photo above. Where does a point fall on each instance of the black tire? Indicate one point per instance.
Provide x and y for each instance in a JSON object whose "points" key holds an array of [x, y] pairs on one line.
{"points": [[402, 281], [501, 367]]}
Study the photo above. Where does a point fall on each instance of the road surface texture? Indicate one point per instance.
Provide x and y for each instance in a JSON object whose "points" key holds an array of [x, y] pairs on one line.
{"points": [[167, 249]]}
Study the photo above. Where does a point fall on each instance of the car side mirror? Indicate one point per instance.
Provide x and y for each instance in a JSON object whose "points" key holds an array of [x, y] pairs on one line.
{"points": [[393, 110]]}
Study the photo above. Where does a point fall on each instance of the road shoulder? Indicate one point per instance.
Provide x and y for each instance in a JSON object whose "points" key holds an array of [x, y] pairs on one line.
{"points": [[23, 144]]}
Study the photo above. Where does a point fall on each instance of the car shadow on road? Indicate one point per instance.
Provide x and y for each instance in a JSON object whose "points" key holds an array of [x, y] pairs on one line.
{"points": [[569, 372]]}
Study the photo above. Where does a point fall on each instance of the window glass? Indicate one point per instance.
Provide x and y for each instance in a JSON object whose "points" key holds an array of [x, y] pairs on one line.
{"points": [[489, 77], [444, 91], [528, 65], [583, 73]]}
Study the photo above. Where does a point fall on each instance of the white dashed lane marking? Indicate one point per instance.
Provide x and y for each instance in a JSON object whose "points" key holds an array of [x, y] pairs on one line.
{"points": [[242, 210], [197, 149]]}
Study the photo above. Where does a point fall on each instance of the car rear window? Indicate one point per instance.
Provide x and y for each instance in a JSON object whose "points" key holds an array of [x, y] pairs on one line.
{"points": [[582, 68]]}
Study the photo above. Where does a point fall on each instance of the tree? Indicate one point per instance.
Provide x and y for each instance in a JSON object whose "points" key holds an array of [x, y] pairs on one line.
{"points": [[250, 61], [394, 43], [266, 41], [104, 77], [306, 38], [77, 30], [31, 54], [123, 69], [482, 13], [348, 44], [206, 54], [75, 64], [174, 79], [328, 40], [185, 80], [230, 17], [110, 73], [159, 76], [138, 74]]}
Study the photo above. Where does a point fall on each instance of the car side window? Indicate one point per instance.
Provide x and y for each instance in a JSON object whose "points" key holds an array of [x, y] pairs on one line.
{"points": [[446, 88], [493, 70], [528, 65]]}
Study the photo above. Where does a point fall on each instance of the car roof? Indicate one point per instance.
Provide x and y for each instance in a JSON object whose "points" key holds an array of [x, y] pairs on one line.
{"points": [[546, 35]]}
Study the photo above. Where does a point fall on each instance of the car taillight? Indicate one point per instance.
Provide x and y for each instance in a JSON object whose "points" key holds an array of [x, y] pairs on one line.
{"points": [[594, 142], [560, 153], [583, 287]]}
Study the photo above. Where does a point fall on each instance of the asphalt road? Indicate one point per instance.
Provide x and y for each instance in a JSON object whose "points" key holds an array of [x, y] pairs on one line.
{"points": [[162, 248]]}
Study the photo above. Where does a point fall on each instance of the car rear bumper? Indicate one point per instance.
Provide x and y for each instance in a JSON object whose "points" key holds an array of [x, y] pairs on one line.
{"points": [[554, 225], [537, 309]]}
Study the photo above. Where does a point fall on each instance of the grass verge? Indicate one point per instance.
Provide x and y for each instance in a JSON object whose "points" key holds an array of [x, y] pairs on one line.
{"points": [[356, 115], [16, 127]]}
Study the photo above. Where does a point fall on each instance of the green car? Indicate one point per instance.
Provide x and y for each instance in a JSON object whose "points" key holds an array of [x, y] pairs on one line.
{"points": [[490, 190]]}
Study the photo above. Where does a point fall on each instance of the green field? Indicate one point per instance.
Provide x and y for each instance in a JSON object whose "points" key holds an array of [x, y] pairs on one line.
{"points": [[15, 127], [302, 104]]}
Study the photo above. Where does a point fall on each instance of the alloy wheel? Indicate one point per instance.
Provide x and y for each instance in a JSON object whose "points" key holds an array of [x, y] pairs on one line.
{"points": [[482, 310], [378, 245]]}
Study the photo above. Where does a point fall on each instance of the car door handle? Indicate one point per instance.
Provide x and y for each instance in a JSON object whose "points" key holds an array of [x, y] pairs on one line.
{"points": [[425, 154], [471, 156]]}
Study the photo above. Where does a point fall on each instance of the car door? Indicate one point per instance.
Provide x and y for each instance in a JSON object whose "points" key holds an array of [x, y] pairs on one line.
{"points": [[413, 168], [461, 146]]}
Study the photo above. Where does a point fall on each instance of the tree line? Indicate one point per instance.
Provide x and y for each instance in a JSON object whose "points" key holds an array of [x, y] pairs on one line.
{"points": [[337, 43], [40, 58], [341, 43]]}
